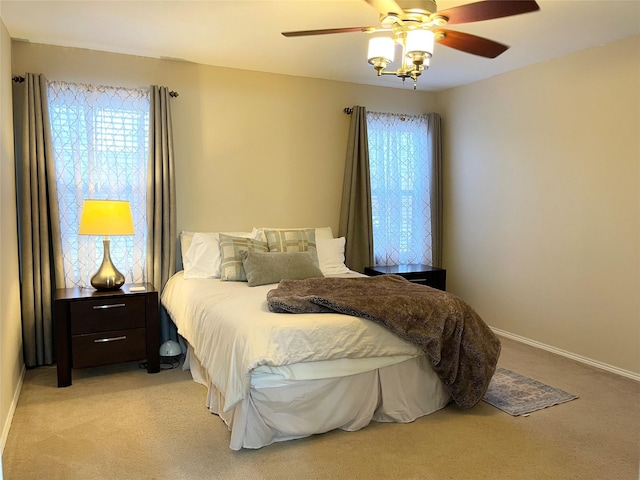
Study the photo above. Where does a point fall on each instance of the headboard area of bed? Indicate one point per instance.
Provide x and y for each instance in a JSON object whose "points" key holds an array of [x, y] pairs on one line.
{"points": [[200, 256]]}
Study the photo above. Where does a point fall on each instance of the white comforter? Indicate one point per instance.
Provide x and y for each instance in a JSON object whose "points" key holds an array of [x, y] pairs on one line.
{"points": [[232, 332]]}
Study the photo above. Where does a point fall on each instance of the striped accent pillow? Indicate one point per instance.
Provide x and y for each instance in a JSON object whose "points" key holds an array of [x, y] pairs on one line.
{"points": [[285, 241], [231, 268]]}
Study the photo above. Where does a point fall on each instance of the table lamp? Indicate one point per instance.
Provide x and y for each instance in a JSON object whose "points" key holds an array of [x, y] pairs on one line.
{"points": [[106, 217]]}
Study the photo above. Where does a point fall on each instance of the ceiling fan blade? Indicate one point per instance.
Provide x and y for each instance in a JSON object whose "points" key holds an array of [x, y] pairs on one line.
{"points": [[487, 10], [468, 43], [385, 6], [327, 31]]}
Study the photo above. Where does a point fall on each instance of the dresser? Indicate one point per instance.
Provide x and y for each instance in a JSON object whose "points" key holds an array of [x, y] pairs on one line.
{"points": [[416, 273], [94, 328]]}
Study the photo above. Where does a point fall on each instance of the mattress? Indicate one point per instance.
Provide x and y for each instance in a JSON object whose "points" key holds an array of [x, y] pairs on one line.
{"points": [[238, 340], [274, 377]]}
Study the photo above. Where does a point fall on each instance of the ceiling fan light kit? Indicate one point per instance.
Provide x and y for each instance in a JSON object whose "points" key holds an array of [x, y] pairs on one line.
{"points": [[417, 49], [411, 25]]}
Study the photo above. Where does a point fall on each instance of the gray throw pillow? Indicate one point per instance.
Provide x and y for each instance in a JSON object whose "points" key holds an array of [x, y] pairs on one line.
{"points": [[262, 268]]}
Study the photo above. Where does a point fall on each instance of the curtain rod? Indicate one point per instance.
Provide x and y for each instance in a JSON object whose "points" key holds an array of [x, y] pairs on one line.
{"points": [[20, 79], [348, 110]]}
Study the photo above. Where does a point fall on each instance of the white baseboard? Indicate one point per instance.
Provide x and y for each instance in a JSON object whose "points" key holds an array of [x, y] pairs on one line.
{"points": [[12, 409], [572, 356]]}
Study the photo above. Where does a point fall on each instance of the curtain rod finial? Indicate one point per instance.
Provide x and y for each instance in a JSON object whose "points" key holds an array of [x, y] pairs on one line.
{"points": [[348, 110]]}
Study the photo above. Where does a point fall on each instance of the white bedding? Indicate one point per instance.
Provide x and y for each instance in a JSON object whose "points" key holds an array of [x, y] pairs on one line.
{"points": [[234, 335]]}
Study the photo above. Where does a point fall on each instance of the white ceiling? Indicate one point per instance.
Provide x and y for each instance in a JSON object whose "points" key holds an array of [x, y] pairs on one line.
{"points": [[246, 34]]}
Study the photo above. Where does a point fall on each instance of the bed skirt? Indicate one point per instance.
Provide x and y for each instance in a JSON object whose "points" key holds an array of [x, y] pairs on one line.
{"points": [[396, 393]]}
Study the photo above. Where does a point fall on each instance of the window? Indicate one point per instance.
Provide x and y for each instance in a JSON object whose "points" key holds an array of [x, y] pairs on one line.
{"points": [[400, 169], [100, 146]]}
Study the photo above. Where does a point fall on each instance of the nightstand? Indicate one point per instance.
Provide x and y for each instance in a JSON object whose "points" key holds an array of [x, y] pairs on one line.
{"points": [[416, 273], [95, 328]]}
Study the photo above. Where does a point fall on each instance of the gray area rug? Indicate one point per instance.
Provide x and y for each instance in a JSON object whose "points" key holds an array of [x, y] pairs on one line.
{"points": [[518, 395]]}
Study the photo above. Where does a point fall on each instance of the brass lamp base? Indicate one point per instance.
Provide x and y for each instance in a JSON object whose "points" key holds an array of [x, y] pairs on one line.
{"points": [[107, 277]]}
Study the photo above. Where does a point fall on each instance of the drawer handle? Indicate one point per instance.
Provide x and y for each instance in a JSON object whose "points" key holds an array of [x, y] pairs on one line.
{"points": [[112, 339], [418, 280], [113, 305]]}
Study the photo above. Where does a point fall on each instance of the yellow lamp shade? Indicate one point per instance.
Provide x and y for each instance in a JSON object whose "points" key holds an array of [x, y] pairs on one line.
{"points": [[106, 217]]}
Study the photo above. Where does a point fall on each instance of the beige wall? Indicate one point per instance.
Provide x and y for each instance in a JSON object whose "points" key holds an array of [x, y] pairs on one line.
{"points": [[252, 149], [11, 364], [542, 201]]}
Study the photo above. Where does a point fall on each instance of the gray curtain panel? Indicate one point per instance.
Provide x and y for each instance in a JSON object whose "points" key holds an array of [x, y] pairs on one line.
{"points": [[161, 202], [355, 213], [41, 265], [435, 137]]}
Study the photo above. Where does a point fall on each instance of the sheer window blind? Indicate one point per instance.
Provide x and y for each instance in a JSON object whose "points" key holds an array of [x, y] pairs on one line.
{"points": [[400, 170], [100, 142]]}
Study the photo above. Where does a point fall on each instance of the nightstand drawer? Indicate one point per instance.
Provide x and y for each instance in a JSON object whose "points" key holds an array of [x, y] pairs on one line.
{"points": [[107, 314], [108, 347]]}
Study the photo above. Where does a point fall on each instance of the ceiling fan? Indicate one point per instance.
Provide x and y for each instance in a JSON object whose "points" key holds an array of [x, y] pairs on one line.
{"points": [[416, 24]]}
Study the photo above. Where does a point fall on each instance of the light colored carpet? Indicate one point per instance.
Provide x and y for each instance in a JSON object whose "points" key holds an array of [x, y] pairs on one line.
{"points": [[122, 423]]}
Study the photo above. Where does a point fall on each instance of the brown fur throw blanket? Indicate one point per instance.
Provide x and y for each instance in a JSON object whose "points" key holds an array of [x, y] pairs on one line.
{"points": [[462, 349]]}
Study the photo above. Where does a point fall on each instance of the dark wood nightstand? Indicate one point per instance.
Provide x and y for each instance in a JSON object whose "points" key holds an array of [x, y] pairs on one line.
{"points": [[96, 328], [416, 273]]}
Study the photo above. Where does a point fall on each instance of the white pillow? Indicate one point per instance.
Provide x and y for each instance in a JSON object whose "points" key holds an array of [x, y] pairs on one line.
{"points": [[202, 257], [331, 256], [185, 242], [321, 232]]}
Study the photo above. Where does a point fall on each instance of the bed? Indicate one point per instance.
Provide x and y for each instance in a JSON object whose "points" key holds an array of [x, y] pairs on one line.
{"points": [[274, 377]]}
